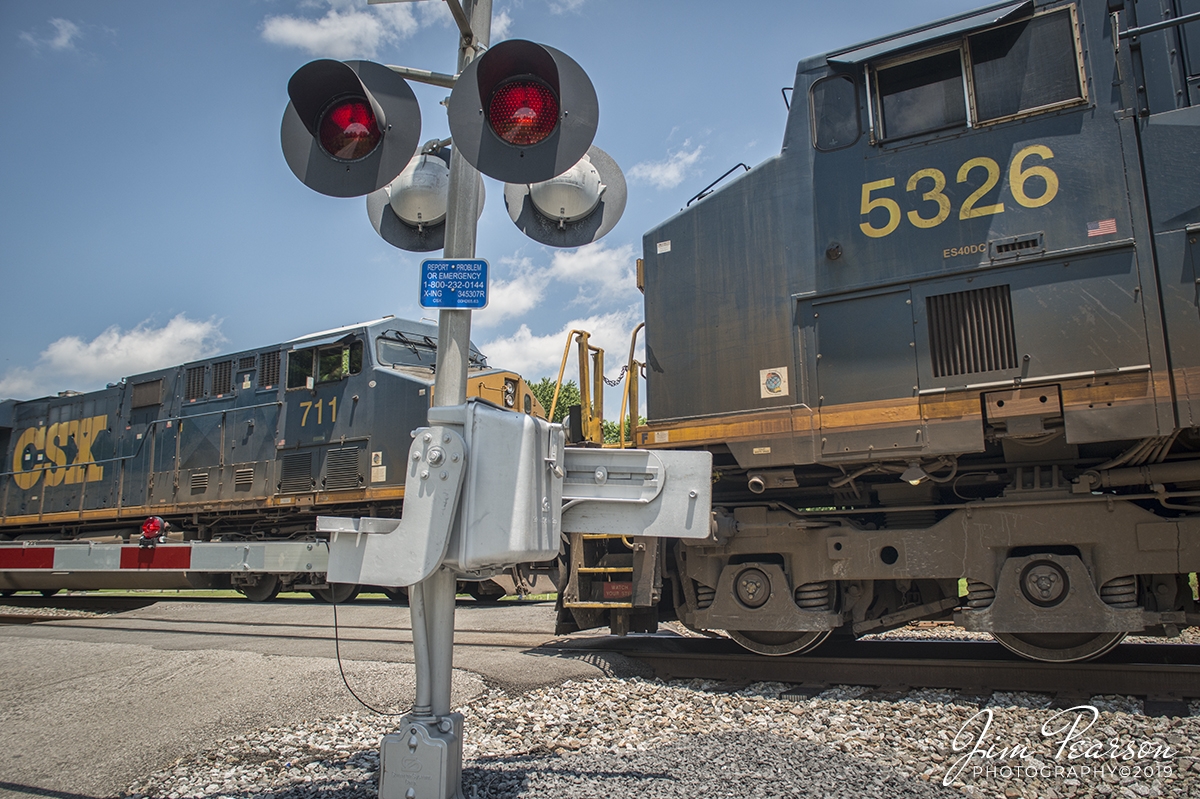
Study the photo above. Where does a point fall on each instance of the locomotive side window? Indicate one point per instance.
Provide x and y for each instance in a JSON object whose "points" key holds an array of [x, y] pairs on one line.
{"points": [[835, 112], [404, 350], [1027, 65], [334, 363], [922, 96], [300, 368], [1018, 68], [324, 364]]}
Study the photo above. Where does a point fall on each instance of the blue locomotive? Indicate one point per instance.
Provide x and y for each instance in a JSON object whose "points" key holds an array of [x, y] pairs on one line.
{"points": [[249, 446], [942, 346]]}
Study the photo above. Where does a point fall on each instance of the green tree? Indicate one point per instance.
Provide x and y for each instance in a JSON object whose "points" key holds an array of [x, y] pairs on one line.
{"points": [[612, 430], [567, 396]]}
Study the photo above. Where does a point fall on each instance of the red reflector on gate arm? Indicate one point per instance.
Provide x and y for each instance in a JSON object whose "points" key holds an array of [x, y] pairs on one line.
{"points": [[618, 590], [163, 556], [27, 558]]}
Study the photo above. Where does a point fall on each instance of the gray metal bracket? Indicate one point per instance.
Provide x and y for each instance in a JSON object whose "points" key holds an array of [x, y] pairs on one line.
{"points": [[396, 552], [637, 492]]}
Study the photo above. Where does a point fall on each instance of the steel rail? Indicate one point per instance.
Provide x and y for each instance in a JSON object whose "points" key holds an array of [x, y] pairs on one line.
{"points": [[1159, 671]]}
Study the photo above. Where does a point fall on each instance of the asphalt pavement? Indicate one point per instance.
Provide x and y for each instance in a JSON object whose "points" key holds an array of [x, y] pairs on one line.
{"points": [[90, 705]]}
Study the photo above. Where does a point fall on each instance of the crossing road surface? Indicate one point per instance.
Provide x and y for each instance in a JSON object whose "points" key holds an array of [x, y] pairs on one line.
{"points": [[89, 705]]}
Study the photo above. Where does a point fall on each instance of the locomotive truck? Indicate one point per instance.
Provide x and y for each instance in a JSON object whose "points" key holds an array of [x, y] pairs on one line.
{"points": [[944, 347]]}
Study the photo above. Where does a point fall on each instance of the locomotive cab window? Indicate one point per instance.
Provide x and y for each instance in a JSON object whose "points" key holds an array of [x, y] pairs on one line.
{"points": [[324, 364], [834, 107], [394, 348], [922, 96], [1024, 66], [334, 363], [1029, 66], [300, 368]]}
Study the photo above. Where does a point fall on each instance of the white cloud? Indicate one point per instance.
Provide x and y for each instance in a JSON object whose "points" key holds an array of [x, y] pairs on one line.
{"points": [[501, 25], [564, 6], [346, 30], [668, 173], [535, 357], [72, 363], [602, 274], [66, 33], [513, 297]]}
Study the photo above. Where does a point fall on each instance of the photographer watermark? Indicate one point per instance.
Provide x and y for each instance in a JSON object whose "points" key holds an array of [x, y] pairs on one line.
{"points": [[1067, 749]]}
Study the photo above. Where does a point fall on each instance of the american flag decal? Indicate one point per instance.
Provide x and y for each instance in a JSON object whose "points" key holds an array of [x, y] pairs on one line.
{"points": [[1105, 227]]}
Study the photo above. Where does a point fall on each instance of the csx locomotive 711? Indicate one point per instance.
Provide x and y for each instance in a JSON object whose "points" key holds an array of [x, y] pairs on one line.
{"points": [[949, 336], [243, 447]]}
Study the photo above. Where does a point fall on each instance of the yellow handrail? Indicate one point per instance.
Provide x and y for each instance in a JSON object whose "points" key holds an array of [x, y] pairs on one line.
{"points": [[630, 398]]}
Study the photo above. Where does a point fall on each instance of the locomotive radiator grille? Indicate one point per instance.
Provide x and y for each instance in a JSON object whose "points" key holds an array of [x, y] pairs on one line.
{"points": [[341, 469], [971, 331], [295, 475], [268, 369], [194, 385], [222, 378]]}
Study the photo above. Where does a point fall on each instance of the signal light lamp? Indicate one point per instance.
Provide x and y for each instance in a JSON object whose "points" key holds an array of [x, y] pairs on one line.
{"points": [[420, 194], [410, 212], [575, 208], [350, 127], [523, 111], [349, 130], [571, 196], [154, 529]]}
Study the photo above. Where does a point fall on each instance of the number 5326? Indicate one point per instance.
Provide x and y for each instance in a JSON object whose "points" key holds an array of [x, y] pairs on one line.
{"points": [[934, 207]]}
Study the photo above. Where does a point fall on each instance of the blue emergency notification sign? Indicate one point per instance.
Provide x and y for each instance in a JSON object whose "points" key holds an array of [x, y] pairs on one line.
{"points": [[454, 283]]}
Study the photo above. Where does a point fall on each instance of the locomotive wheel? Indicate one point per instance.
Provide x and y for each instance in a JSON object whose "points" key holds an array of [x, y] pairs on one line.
{"points": [[336, 594], [266, 589], [778, 643], [1059, 647], [483, 597], [397, 595]]}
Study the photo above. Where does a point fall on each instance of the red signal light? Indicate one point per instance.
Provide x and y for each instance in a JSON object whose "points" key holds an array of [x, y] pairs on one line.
{"points": [[153, 527], [523, 111], [349, 131]]}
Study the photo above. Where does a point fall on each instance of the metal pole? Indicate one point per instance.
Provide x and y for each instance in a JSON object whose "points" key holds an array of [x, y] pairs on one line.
{"points": [[431, 602]]}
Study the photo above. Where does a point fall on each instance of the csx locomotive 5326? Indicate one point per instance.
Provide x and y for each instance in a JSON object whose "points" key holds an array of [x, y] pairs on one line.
{"points": [[949, 336], [249, 446]]}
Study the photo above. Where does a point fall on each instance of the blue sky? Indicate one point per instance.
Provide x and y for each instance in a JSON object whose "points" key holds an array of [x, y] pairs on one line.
{"points": [[149, 218]]}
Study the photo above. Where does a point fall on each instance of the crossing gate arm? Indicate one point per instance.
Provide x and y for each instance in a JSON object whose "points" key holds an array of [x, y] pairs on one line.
{"points": [[637, 492]]}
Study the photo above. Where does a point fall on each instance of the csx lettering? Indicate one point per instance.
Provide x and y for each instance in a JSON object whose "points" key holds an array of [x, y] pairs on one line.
{"points": [[61, 453], [970, 249], [931, 207]]}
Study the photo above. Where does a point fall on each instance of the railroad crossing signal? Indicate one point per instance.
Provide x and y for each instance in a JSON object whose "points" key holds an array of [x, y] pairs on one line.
{"points": [[410, 212], [573, 209], [350, 128], [523, 112]]}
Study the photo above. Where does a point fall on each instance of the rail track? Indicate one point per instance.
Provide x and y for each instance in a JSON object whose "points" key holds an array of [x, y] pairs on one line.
{"points": [[1165, 676]]}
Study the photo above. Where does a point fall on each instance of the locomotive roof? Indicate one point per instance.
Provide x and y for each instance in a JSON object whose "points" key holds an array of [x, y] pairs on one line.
{"points": [[929, 32]]}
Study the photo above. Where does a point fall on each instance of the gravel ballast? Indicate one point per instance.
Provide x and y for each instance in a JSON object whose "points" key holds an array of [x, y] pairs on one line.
{"points": [[611, 737]]}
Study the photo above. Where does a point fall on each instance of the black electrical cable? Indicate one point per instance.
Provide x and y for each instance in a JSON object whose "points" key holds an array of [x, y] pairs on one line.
{"points": [[338, 649]]}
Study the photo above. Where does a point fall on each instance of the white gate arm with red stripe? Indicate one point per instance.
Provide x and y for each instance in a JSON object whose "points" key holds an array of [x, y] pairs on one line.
{"points": [[278, 557]]}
